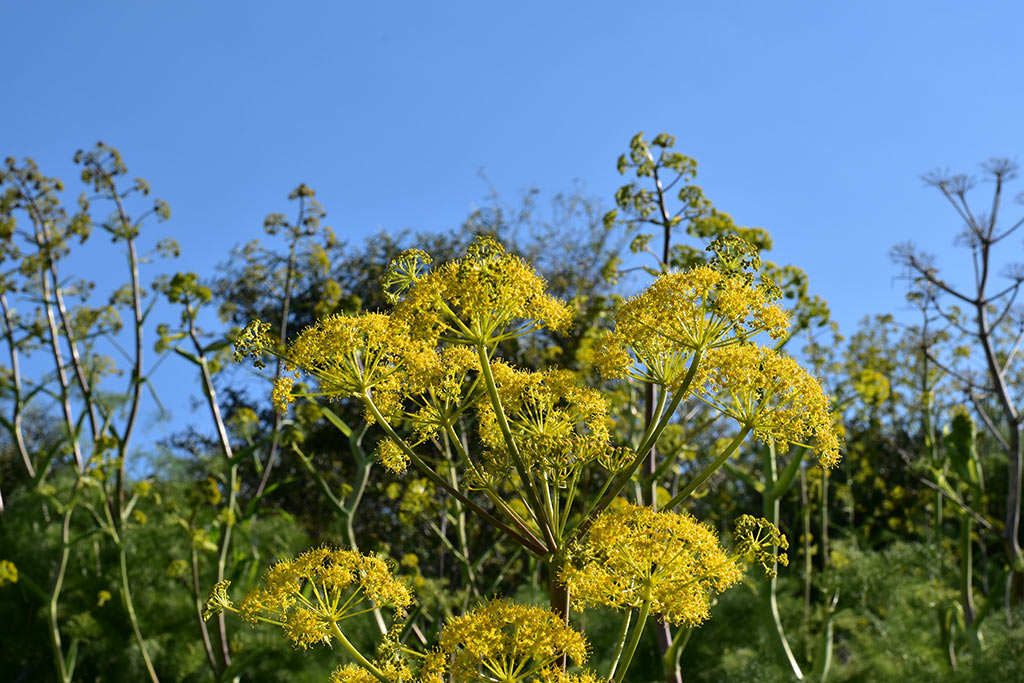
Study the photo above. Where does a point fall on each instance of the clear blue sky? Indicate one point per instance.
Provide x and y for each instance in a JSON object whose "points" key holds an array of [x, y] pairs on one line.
{"points": [[810, 119]]}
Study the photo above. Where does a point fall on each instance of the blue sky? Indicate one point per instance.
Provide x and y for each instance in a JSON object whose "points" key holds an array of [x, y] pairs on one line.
{"points": [[813, 120]]}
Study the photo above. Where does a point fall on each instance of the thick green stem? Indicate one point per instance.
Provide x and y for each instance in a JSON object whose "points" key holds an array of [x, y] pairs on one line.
{"points": [[622, 478], [620, 673], [540, 512], [357, 656], [620, 643]]}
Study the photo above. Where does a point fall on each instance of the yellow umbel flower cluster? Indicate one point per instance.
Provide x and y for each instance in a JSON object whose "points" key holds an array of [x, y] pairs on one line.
{"points": [[435, 382], [486, 296], [557, 425], [542, 404], [633, 555], [760, 541], [657, 331], [769, 393], [309, 595], [503, 641], [349, 355], [353, 673], [8, 572]]}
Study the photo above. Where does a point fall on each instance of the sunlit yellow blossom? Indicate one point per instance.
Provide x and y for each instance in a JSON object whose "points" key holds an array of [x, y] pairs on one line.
{"points": [[403, 271], [760, 541], [347, 354], [771, 394], [437, 382], [307, 596], [543, 404], [555, 674], [392, 456], [657, 332], [558, 426], [508, 642], [352, 673], [485, 296], [8, 572], [633, 554], [218, 599], [433, 667], [254, 341]]}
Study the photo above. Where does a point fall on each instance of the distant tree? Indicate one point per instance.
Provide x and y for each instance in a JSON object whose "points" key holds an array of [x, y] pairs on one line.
{"points": [[985, 313]]}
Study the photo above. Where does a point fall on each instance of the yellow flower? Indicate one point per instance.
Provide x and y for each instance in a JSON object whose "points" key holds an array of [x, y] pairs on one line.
{"points": [[347, 354], [309, 595], [434, 382], [556, 675], [772, 395], [392, 456], [483, 297], [657, 331], [761, 541], [8, 572], [633, 554], [503, 641], [352, 673], [547, 412]]}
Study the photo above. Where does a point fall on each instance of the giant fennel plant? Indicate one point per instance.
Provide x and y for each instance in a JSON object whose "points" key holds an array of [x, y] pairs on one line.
{"points": [[541, 440]]}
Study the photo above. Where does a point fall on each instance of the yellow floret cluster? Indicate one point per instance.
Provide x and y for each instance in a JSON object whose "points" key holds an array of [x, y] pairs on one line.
{"points": [[485, 296], [347, 354], [760, 541], [771, 394], [503, 641], [634, 555], [657, 331], [309, 595]]}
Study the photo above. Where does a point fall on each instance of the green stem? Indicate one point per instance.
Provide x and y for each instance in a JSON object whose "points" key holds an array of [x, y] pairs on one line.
{"points": [[198, 601], [771, 605], [129, 605], [967, 571], [58, 651], [356, 655], [622, 478], [709, 470], [533, 499], [620, 643], [634, 639], [530, 542]]}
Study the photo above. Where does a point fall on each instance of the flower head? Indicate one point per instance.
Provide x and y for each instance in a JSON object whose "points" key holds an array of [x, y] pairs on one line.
{"points": [[353, 673], [347, 354], [309, 595], [558, 425], [485, 296], [657, 331], [771, 394], [8, 572], [633, 554], [501, 640], [760, 541]]}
